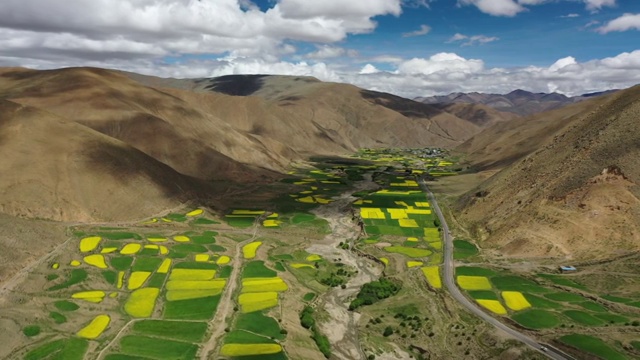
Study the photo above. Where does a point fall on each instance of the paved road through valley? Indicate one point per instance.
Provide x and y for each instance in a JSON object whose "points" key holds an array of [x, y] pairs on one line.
{"points": [[448, 275]]}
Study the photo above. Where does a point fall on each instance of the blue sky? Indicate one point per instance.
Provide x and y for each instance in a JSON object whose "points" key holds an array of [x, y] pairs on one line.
{"points": [[407, 47]]}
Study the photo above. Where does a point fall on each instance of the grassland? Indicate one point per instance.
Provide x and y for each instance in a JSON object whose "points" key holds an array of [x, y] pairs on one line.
{"points": [[592, 345]]}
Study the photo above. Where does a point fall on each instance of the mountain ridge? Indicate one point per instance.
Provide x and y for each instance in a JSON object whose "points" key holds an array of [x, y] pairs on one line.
{"points": [[520, 102]]}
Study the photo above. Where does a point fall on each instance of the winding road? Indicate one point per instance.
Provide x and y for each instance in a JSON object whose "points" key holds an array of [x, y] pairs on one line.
{"points": [[448, 275]]}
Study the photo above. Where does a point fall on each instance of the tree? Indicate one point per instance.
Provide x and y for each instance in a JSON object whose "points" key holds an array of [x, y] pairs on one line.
{"points": [[388, 331]]}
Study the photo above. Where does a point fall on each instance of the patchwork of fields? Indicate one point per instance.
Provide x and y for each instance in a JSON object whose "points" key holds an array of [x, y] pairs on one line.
{"points": [[170, 286]]}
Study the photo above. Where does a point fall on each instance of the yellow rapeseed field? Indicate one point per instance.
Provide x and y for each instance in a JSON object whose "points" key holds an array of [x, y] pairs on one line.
{"points": [[157, 239], [96, 260], [55, 266], [314, 257], [195, 285], [202, 257], [223, 260], [422, 204], [408, 223], [431, 234], [163, 250], [152, 247], [130, 249], [137, 278], [493, 305], [413, 239], [436, 245], [173, 295], [384, 260], [108, 250], [271, 223], [411, 264], [89, 243], [120, 279], [164, 267], [432, 274], [372, 213], [254, 285], [248, 212], [515, 300], [300, 265], [141, 302], [75, 263], [397, 214], [195, 212], [192, 274], [250, 349], [94, 296], [181, 238], [249, 250], [257, 301], [95, 328], [473, 282]]}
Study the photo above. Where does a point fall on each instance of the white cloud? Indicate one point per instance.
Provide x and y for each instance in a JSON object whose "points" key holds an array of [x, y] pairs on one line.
{"points": [[424, 30], [328, 51], [368, 69], [441, 73], [472, 40], [623, 23], [595, 5], [390, 59], [572, 15], [126, 27], [444, 63], [513, 7], [495, 7]]}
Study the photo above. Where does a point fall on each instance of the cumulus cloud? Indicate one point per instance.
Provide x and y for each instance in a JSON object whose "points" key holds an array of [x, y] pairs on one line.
{"points": [[472, 40], [495, 7], [446, 73], [368, 69], [328, 51], [511, 8], [443, 63], [136, 27], [424, 30], [595, 5], [623, 23]]}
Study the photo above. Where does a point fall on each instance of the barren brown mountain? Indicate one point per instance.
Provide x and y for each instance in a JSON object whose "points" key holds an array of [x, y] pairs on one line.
{"points": [[571, 189], [518, 102], [100, 141]]}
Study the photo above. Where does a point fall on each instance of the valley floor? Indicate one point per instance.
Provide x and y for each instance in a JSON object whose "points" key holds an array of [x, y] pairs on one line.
{"points": [[342, 259]]}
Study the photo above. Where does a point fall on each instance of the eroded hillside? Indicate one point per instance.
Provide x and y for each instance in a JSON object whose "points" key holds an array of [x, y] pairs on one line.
{"points": [[136, 134], [575, 195]]}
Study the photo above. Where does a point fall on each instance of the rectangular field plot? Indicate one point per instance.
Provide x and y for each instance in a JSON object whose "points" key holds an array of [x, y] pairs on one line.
{"points": [[257, 322], [592, 345], [192, 309], [190, 331], [157, 348]]}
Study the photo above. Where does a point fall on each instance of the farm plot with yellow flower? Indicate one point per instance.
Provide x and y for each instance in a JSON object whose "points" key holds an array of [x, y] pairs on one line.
{"points": [[515, 300], [141, 302], [473, 282], [249, 250], [95, 328], [89, 243], [254, 285], [250, 302], [250, 349], [493, 305], [432, 274]]}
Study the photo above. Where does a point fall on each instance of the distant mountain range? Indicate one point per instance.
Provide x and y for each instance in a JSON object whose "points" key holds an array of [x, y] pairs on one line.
{"points": [[519, 102]]}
